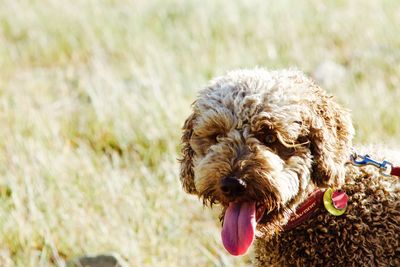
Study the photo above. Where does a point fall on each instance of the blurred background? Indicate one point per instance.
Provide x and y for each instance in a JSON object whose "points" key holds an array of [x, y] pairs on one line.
{"points": [[93, 95]]}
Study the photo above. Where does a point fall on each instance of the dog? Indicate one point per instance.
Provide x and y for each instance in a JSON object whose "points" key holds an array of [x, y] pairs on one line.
{"points": [[270, 147]]}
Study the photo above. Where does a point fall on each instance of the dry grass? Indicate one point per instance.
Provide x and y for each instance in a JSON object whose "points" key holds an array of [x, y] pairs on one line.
{"points": [[93, 95]]}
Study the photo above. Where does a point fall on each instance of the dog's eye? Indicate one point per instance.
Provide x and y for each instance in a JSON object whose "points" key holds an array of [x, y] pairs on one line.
{"points": [[215, 137], [270, 138]]}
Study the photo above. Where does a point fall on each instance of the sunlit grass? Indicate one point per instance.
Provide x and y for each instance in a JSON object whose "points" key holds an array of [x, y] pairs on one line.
{"points": [[93, 95]]}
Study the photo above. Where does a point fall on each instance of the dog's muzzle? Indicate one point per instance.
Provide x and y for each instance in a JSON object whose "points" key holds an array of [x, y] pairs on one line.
{"points": [[233, 187]]}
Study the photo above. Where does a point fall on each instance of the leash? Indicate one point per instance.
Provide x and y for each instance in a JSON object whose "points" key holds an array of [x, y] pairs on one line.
{"points": [[385, 167]]}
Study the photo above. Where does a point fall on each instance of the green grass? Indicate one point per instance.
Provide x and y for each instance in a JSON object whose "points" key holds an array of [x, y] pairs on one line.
{"points": [[93, 95]]}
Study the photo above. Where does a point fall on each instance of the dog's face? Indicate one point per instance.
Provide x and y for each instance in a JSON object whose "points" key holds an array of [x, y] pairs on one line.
{"points": [[256, 142]]}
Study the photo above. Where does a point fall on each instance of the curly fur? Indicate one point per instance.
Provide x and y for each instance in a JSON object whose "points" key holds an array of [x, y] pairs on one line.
{"points": [[284, 136]]}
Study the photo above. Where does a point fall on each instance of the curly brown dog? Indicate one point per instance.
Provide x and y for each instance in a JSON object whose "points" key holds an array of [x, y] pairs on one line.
{"points": [[262, 144]]}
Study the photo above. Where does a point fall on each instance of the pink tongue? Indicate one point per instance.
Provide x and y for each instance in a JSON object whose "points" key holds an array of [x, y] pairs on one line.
{"points": [[239, 227]]}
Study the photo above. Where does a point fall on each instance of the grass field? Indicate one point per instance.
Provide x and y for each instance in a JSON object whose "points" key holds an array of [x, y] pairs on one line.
{"points": [[93, 95]]}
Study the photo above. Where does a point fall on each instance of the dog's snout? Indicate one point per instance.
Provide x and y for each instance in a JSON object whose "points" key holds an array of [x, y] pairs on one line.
{"points": [[232, 186]]}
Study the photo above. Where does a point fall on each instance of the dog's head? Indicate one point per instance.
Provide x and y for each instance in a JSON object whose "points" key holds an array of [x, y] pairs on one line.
{"points": [[256, 142]]}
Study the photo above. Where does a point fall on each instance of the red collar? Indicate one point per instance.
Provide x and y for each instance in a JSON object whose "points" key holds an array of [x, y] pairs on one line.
{"points": [[305, 210]]}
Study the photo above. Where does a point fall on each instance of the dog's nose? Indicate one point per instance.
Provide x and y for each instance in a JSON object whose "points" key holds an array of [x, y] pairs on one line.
{"points": [[232, 187]]}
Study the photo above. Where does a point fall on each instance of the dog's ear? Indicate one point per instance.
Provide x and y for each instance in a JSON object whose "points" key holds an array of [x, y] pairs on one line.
{"points": [[331, 133], [186, 168]]}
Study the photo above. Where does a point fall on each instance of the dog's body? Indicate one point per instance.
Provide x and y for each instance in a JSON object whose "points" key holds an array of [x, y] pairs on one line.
{"points": [[366, 235], [259, 143]]}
